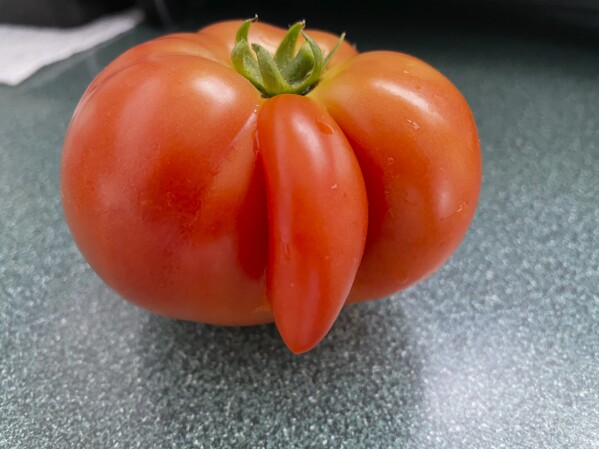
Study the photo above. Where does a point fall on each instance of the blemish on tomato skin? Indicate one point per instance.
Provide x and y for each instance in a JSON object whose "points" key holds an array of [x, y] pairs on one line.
{"points": [[324, 127], [265, 307], [460, 210], [413, 123]]}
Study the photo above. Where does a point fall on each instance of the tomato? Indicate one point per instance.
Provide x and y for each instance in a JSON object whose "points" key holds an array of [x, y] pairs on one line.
{"points": [[205, 181]]}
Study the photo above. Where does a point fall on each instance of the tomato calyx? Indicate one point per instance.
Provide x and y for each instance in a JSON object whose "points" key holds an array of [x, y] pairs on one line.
{"points": [[288, 72]]}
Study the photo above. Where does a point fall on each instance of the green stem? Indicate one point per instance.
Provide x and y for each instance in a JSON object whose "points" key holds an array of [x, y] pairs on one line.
{"points": [[288, 72]]}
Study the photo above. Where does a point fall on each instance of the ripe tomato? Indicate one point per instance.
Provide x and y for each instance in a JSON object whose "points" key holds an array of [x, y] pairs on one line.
{"points": [[239, 189]]}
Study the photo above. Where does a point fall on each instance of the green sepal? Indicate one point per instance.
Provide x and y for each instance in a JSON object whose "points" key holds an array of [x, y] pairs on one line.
{"points": [[297, 69], [286, 49], [242, 58], [314, 75], [272, 80], [286, 72], [333, 50]]}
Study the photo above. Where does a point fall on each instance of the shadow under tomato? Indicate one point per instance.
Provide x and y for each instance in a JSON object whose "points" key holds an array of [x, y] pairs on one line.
{"points": [[242, 385]]}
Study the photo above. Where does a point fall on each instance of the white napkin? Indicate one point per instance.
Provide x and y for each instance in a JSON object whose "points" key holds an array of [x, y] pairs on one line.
{"points": [[26, 49]]}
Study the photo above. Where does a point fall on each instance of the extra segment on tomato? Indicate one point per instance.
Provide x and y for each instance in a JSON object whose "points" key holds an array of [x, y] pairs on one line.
{"points": [[244, 174]]}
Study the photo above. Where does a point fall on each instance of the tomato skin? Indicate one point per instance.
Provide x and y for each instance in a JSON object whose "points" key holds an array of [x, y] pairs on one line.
{"points": [[418, 149], [195, 198], [317, 217], [159, 190]]}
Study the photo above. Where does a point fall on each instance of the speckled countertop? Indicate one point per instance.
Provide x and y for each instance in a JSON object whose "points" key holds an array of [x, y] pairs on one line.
{"points": [[500, 348]]}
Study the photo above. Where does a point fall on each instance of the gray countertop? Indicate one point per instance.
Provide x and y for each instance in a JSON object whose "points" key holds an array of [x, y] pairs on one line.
{"points": [[500, 348]]}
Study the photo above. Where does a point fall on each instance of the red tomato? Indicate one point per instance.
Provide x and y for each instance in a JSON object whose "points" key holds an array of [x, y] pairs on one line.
{"points": [[202, 195]]}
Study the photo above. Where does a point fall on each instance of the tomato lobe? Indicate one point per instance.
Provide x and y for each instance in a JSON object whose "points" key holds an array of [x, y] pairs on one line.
{"points": [[317, 217]]}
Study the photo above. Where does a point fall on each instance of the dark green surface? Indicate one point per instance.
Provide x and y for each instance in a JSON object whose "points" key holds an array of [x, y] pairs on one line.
{"points": [[500, 348]]}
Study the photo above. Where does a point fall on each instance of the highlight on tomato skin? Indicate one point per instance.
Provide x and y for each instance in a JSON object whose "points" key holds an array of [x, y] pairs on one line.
{"points": [[246, 174]]}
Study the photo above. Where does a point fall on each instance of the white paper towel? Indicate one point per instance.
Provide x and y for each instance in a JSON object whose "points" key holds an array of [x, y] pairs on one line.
{"points": [[25, 49]]}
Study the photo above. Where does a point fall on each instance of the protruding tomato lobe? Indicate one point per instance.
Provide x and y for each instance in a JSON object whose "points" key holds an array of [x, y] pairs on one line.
{"points": [[317, 220]]}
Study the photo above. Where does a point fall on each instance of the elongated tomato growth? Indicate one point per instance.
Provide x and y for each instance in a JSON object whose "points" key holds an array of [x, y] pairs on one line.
{"points": [[317, 217]]}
